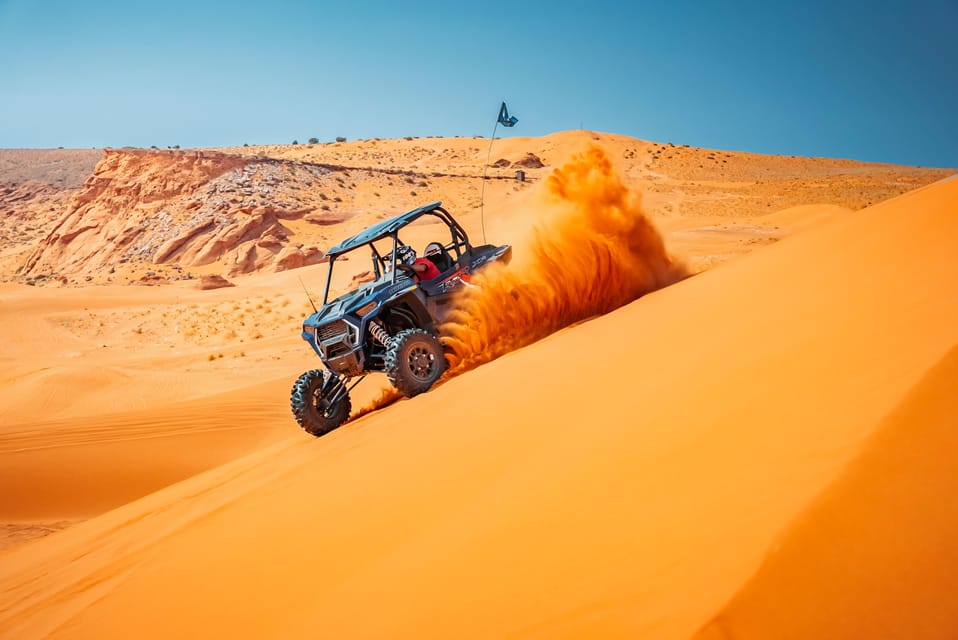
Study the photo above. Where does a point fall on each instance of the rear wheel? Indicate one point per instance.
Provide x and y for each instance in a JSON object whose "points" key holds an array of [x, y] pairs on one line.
{"points": [[414, 361], [310, 402]]}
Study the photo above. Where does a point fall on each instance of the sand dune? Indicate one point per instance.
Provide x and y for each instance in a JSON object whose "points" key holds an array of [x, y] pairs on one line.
{"points": [[624, 477], [76, 468], [110, 393], [81, 357], [873, 556]]}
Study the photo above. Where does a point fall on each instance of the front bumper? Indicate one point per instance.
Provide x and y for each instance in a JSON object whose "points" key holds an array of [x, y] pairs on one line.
{"points": [[337, 345]]}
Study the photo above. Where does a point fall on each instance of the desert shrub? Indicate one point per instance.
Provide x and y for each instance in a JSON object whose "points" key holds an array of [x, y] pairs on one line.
{"points": [[295, 141], [314, 141], [340, 139]]}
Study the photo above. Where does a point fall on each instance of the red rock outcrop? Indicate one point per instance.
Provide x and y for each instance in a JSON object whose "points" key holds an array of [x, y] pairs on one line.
{"points": [[213, 281], [184, 208]]}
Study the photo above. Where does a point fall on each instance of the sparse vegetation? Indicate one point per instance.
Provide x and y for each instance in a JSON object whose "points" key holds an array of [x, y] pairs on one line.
{"points": [[313, 141], [340, 139]]}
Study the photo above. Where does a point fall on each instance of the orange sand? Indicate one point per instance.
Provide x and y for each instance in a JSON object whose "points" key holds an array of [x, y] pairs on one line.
{"points": [[678, 466]]}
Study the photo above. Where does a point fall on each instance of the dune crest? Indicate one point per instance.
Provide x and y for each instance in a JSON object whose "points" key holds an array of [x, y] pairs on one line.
{"points": [[590, 249]]}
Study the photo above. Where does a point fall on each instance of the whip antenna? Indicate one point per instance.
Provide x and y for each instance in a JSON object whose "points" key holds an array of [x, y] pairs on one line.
{"points": [[507, 121], [306, 291]]}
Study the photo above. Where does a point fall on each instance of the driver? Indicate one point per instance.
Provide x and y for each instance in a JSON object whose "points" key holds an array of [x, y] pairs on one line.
{"points": [[424, 269]]}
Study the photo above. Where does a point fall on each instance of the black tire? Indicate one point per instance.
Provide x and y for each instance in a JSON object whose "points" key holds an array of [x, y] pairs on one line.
{"points": [[414, 361], [311, 409]]}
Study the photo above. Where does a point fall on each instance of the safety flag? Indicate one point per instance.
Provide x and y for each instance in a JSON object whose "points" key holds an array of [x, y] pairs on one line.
{"points": [[505, 119]]}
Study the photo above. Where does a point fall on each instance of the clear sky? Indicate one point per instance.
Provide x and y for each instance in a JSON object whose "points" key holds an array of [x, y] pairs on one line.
{"points": [[869, 80]]}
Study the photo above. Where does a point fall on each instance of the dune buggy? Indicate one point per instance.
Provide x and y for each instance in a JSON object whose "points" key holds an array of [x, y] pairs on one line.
{"points": [[389, 324]]}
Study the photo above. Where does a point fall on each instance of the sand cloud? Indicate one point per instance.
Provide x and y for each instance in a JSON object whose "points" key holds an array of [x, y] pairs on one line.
{"points": [[590, 248]]}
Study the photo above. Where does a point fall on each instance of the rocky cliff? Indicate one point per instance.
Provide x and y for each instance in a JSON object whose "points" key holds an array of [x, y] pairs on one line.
{"points": [[162, 212]]}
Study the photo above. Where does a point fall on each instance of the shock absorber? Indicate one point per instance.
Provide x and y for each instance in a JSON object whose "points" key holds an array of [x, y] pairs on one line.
{"points": [[380, 333]]}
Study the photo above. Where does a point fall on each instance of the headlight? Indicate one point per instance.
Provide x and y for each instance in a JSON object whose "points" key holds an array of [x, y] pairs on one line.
{"points": [[366, 308], [309, 330]]}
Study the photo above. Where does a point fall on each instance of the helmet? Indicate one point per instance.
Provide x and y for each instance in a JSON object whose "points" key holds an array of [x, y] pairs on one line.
{"points": [[405, 255], [433, 249]]}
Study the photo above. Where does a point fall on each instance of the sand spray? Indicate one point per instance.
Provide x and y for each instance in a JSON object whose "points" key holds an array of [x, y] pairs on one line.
{"points": [[588, 249]]}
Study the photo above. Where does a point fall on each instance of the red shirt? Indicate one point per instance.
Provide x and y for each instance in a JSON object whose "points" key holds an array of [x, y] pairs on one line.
{"points": [[430, 272]]}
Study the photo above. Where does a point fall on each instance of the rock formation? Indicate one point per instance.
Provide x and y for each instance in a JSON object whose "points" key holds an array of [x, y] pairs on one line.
{"points": [[183, 208]]}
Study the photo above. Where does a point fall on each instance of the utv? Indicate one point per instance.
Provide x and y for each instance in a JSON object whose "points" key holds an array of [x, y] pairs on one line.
{"points": [[389, 325]]}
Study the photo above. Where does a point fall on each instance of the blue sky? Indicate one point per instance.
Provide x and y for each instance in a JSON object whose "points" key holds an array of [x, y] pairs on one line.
{"points": [[874, 81]]}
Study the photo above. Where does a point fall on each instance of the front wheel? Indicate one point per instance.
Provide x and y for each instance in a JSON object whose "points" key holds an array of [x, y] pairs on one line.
{"points": [[414, 361], [310, 402]]}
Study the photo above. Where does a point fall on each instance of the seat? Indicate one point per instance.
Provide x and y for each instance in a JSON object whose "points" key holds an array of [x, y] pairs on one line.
{"points": [[438, 255]]}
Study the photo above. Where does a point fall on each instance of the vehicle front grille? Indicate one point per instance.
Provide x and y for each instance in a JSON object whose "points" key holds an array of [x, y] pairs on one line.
{"points": [[332, 330], [335, 339]]}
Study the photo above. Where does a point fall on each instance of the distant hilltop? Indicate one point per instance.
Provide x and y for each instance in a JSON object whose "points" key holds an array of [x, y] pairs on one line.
{"points": [[150, 216]]}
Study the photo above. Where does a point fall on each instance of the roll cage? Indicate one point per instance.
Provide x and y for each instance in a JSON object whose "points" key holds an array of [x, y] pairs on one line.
{"points": [[458, 244]]}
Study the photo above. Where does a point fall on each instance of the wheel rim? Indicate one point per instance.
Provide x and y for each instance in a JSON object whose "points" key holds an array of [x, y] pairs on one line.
{"points": [[421, 362], [322, 405]]}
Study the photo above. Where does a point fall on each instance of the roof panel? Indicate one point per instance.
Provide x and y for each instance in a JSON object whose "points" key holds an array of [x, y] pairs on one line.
{"points": [[382, 229]]}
